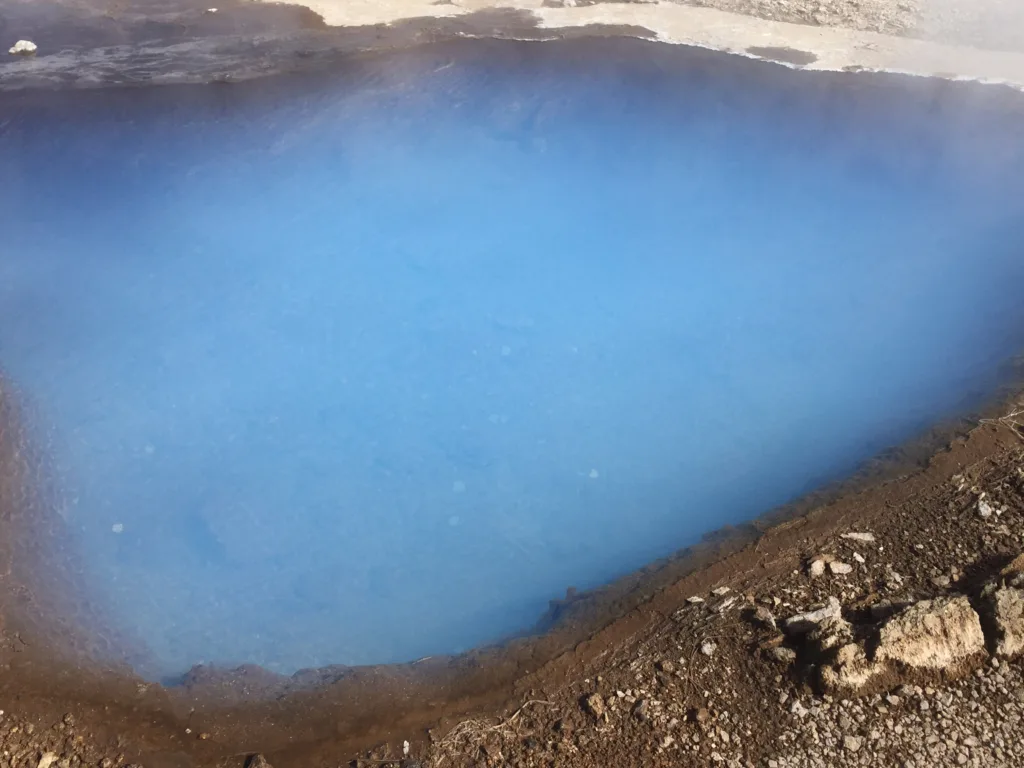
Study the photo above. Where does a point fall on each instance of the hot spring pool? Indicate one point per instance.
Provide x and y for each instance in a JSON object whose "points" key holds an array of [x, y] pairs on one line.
{"points": [[368, 366]]}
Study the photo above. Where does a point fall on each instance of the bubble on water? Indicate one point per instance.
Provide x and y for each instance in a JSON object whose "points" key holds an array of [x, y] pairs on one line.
{"points": [[117, 527], [594, 474]]}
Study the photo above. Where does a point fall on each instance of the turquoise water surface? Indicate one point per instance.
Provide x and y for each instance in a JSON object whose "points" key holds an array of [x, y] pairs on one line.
{"points": [[369, 366]]}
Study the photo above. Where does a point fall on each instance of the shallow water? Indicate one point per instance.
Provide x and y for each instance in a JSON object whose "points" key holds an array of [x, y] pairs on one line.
{"points": [[367, 367]]}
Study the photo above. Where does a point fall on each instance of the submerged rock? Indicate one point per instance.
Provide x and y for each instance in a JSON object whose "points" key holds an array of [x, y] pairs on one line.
{"points": [[22, 48], [932, 634]]}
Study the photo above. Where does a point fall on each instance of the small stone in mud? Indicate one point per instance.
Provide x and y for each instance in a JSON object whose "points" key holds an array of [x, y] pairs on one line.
{"points": [[720, 591], [642, 711], [695, 600], [665, 666], [984, 508], [852, 743], [708, 648], [783, 654], [764, 617], [69, 719], [258, 761], [865, 537], [594, 704], [46, 760], [1014, 567], [840, 569], [817, 568]]}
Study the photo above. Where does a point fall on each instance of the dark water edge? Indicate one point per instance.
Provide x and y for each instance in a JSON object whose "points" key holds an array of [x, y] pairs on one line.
{"points": [[176, 41], [44, 641]]}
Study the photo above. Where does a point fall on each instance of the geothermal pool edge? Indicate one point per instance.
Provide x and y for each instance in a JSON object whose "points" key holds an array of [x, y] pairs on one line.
{"points": [[327, 716]]}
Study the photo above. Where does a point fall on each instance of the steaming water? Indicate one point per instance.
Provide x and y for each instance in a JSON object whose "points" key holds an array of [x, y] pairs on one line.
{"points": [[368, 367]]}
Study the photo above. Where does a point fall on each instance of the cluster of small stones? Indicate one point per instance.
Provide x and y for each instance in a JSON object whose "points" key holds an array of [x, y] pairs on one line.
{"points": [[24, 745], [975, 721]]}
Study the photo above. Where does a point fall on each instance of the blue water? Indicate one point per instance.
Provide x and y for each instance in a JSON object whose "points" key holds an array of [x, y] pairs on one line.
{"points": [[367, 367]]}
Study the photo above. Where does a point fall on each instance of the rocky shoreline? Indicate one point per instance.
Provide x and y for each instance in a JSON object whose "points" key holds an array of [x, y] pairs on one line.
{"points": [[895, 646]]}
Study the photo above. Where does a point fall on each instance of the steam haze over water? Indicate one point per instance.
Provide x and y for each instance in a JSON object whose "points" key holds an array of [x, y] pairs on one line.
{"points": [[363, 368]]}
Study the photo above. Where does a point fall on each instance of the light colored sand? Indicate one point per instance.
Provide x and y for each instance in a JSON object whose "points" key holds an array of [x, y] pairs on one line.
{"points": [[834, 47]]}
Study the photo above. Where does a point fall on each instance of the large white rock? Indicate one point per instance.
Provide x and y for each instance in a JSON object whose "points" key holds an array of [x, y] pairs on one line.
{"points": [[932, 634], [1008, 610], [23, 48]]}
